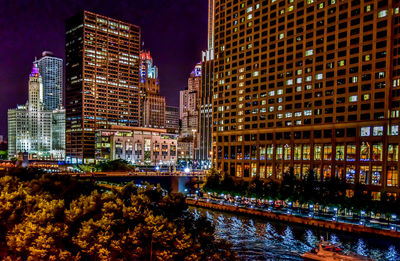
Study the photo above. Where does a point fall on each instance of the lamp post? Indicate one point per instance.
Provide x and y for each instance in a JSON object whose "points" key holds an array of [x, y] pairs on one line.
{"points": [[194, 142]]}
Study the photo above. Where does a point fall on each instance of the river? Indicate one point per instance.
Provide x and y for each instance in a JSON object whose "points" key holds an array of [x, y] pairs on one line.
{"points": [[259, 239]]}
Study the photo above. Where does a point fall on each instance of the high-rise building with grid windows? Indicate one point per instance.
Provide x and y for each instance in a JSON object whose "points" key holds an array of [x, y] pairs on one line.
{"points": [[51, 70], [152, 103], [102, 80], [308, 85]]}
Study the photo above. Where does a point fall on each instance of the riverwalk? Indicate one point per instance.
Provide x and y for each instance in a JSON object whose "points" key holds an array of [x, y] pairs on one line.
{"points": [[307, 221]]}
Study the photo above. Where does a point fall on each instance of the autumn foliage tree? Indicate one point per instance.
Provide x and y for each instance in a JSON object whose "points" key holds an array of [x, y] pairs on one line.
{"points": [[60, 218]]}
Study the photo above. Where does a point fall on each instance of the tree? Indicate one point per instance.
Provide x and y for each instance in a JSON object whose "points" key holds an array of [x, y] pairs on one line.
{"points": [[45, 217]]}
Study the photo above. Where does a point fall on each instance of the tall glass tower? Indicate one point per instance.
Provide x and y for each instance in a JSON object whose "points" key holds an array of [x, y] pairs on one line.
{"points": [[51, 70]]}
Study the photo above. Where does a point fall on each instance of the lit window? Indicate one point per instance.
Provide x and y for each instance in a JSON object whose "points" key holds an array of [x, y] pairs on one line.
{"points": [[281, 36], [308, 79], [299, 80], [288, 115], [309, 52], [364, 152], [378, 130], [249, 9], [290, 8], [353, 98], [298, 89], [365, 131], [289, 82], [319, 76], [382, 14], [321, 5], [255, 74], [308, 112], [365, 97], [310, 1], [342, 63], [297, 114], [394, 130], [368, 8]]}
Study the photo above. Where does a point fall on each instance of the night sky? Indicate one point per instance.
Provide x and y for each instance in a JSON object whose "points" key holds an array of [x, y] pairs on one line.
{"points": [[175, 32]]}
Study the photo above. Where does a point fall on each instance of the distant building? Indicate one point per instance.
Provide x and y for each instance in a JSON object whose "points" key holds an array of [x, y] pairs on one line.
{"points": [[189, 103], [152, 105], [30, 126], [51, 71], [102, 80], [139, 146], [172, 119]]}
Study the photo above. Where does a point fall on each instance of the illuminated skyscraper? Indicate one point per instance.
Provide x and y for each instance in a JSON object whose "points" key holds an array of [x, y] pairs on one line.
{"points": [[152, 104], [102, 80], [51, 71], [205, 95], [189, 103], [29, 126], [308, 85]]}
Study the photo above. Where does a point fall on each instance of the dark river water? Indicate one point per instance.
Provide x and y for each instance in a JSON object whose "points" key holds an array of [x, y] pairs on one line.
{"points": [[260, 239]]}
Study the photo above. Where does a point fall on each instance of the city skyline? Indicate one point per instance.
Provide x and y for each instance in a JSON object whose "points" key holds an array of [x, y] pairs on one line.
{"points": [[184, 49]]}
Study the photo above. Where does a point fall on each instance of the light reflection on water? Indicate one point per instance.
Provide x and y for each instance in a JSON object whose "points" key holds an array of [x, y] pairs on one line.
{"points": [[257, 239]]}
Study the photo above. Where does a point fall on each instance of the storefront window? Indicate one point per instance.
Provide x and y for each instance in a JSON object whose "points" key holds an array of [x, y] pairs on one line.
{"points": [[351, 152], [305, 170], [270, 151], [239, 154], [317, 173], [340, 152], [239, 171], [278, 170], [269, 170], [288, 151], [262, 171], [364, 175], [262, 152], [306, 152], [297, 152], [297, 170], [392, 177], [253, 169], [279, 152], [339, 172], [393, 152], [376, 175], [327, 152], [377, 152], [350, 174], [364, 152], [317, 152], [327, 171]]}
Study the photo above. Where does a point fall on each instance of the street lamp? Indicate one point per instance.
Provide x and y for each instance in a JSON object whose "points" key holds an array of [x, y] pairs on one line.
{"points": [[194, 140]]}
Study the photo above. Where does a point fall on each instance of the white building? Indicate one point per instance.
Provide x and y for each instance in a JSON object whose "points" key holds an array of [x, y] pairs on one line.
{"points": [[30, 126], [140, 146]]}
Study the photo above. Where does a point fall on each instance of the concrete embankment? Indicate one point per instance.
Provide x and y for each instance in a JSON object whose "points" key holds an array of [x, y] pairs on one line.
{"points": [[352, 228]]}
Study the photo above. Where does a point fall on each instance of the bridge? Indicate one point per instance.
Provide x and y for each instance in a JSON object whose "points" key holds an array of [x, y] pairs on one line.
{"points": [[171, 181]]}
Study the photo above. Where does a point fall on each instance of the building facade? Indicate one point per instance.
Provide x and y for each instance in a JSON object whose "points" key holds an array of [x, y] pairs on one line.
{"points": [[189, 103], [205, 95], [51, 71], [139, 146], [102, 80], [30, 126], [308, 85], [172, 119], [152, 104]]}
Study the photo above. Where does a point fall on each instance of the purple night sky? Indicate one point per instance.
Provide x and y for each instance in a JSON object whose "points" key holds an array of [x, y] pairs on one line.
{"points": [[174, 31]]}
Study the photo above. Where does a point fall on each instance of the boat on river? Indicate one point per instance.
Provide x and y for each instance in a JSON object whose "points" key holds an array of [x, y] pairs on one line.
{"points": [[332, 252]]}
